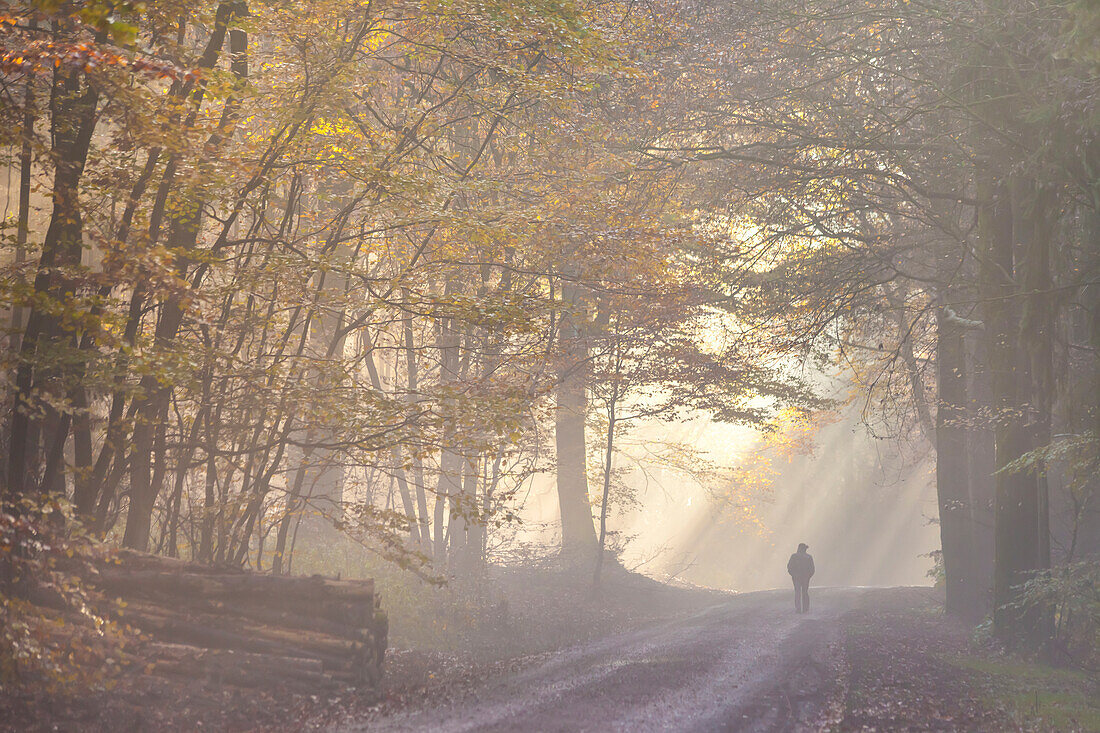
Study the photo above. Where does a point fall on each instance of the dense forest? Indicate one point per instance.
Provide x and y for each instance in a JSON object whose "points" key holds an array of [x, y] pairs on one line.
{"points": [[276, 271]]}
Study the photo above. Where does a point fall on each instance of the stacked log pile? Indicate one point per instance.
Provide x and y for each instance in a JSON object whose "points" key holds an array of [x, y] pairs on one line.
{"points": [[247, 629]]}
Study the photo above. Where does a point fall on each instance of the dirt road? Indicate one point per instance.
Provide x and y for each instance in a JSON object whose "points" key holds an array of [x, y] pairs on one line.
{"points": [[749, 664]]}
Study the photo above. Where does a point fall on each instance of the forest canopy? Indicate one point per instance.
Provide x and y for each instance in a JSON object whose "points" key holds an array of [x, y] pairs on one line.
{"points": [[273, 270]]}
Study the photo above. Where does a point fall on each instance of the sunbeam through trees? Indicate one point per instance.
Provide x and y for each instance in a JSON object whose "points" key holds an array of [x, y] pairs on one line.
{"points": [[529, 324]]}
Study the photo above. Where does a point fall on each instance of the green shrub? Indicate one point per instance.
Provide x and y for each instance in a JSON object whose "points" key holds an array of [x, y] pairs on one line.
{"points": [[1071, 594]]}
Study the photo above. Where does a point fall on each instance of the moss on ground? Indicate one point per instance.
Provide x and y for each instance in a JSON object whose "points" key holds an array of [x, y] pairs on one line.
{"points": [[911, 667], [1037, 697]]}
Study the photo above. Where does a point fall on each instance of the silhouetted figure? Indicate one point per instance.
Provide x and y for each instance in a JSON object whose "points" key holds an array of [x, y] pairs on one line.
{"points": [[801, 568]]}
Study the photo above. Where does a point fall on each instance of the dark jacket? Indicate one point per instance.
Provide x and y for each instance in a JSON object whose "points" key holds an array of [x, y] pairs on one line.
{"points": [[801, 566]]}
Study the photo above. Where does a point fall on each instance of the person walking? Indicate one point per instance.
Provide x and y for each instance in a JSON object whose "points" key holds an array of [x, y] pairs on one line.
{"points": [[801, 569]]}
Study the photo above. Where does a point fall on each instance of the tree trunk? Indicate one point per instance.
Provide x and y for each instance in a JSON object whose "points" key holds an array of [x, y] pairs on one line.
{"points": [[73, 120], [609, 449], [578, 536], [980, 467], [147, 461], [23, 220], [413, 381], [1016, 509], [952, 479]]}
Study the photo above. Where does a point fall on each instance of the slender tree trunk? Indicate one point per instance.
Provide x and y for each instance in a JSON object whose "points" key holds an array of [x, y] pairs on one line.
{"points": [[609, 449], [399, 476], [82, 443], [450, 462], [279, 559], [146, 466], [1037, 333], [183, 468], [146, 463], [413, 381], [912, 367], [73, 120], [23, 216], [464, 535]]}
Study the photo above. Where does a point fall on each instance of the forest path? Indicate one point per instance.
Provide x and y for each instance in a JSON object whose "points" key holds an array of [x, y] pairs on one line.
{"points": [[748, 664]]}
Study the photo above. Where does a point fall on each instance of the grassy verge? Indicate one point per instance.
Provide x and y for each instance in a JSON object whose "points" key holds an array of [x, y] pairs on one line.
{"points": [[1037, 697], [909, 667]]}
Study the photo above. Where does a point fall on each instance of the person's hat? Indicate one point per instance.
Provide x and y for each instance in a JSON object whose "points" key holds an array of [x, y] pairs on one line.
{"points": [[803, 546]]}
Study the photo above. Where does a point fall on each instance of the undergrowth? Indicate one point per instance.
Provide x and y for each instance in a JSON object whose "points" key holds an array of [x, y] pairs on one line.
{"points": [[53, 633]]}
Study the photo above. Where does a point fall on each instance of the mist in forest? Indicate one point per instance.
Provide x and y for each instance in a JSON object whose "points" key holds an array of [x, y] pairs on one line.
{"points": [[866, 513], [865, 506], [452, 333]]}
